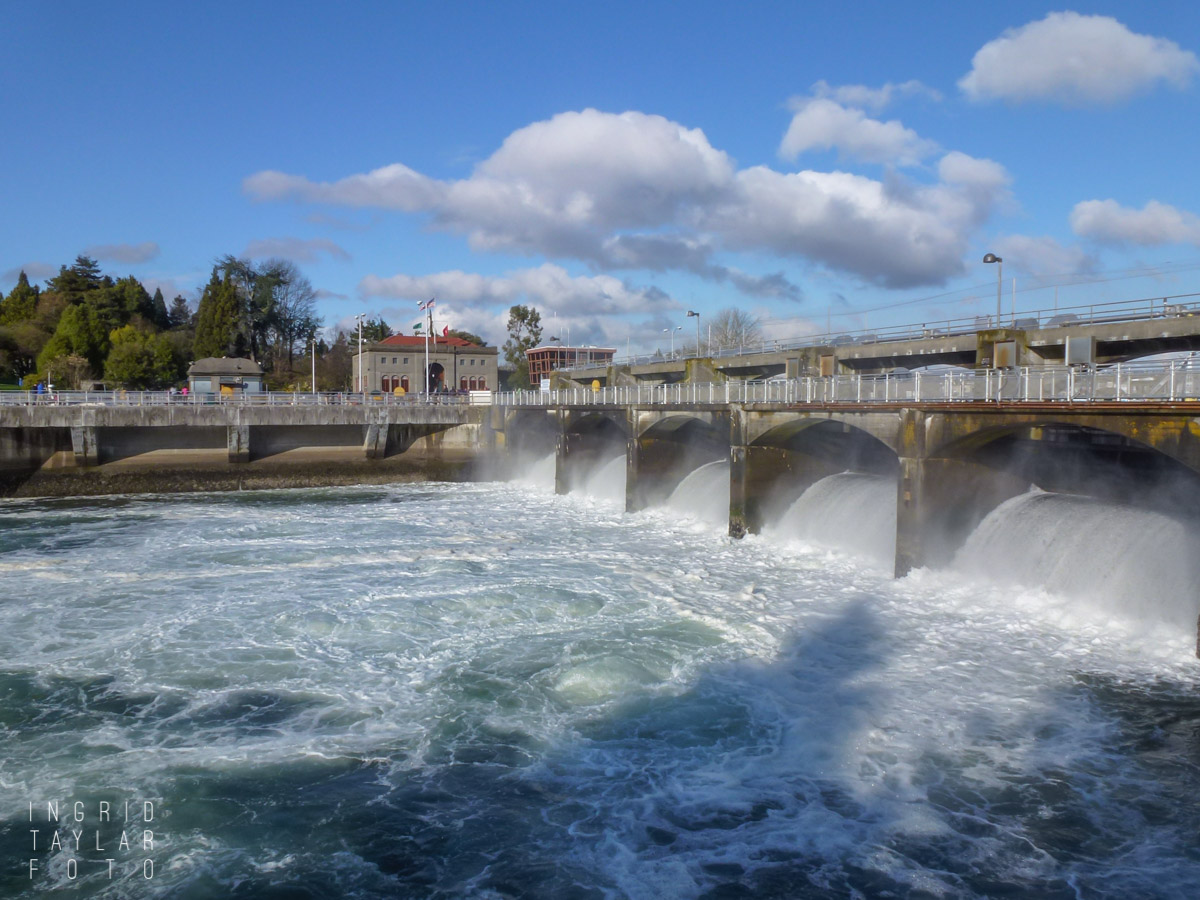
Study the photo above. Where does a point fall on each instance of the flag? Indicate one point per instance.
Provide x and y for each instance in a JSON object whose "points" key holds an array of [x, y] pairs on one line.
{"points": [[418, 326], [425, 305], [446, 331]]}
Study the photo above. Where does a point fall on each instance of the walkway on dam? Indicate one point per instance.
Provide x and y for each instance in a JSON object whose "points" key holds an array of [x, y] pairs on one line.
{"points": [[1178, 380]]}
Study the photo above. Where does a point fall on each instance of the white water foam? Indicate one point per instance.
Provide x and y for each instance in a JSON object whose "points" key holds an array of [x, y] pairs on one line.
{"points": [[539, 474], [605, 481], [1140, 565], [851, 512], [703, 494]]}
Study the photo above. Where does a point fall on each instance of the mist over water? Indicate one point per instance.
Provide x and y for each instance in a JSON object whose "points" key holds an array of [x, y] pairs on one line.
{"points": [[851, 512], [486, 690], [1141, 565], [703, 494]]}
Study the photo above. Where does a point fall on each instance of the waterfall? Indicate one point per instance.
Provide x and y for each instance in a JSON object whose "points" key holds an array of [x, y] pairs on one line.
{"points": [[704, 493], [850, 511], [1139, 564], [539, 474], [605, 480]]}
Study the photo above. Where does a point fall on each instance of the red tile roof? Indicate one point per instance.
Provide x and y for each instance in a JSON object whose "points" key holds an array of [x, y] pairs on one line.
{"points": [[415, 340]]}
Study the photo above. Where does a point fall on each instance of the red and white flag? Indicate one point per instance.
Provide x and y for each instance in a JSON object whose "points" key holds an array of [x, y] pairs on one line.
{"points": [[426, 304]]}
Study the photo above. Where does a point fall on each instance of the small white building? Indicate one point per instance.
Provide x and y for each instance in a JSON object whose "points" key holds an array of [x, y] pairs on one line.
{"points": [[225, 376]]}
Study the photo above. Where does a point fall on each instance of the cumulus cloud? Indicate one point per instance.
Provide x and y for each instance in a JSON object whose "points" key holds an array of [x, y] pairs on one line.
{"points": [[124, 253], [874, 99], [633, 190], [1154, 224], [1043, 256], [34, 271], [548, 287], [821, 124], [1076, 60], [295, 249]]}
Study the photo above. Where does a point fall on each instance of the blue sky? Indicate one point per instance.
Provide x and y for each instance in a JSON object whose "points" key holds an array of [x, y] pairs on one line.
{"points": [[613, 165]]}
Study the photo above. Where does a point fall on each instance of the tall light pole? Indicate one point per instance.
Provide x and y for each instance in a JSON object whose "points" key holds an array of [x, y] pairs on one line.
{"points": [[993, 258], [314, 362], [360, 318], [671, 332], [697, 315]]}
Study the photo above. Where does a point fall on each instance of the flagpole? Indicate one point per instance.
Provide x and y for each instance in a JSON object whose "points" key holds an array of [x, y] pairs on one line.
{"points": [[429, 318]]}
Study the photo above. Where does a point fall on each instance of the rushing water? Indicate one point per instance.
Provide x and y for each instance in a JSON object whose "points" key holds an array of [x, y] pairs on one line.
{"points": [[489, 691]]}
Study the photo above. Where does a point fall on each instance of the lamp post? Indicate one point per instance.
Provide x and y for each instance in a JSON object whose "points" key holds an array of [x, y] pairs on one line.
{"points": [[314, 364], [993, 258], [359, 318], [671, 332], [691, 313]]}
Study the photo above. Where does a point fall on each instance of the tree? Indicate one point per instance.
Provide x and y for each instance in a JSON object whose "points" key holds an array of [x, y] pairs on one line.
{"points": [[161, 318], [217, 317], [467, 336], [733, 327], [21, 304], [376, 329], [524, 333], [292, 321], [180, 314], [81, 331], [67, 371], [140, 359], [82, 277]]}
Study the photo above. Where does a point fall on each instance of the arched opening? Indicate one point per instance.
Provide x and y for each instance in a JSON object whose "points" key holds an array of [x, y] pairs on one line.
{"points": [[436, 379]]}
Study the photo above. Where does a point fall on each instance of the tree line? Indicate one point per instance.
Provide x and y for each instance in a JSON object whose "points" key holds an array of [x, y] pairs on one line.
{"points": [[85, 326]]}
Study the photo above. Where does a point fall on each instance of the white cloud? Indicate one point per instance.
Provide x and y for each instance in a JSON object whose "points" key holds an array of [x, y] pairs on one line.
{"points": [[1154, 224], [822, 124], [125, 253], [896, 234], [637, 191], [34, 271], [1043, 256], [874, 99], [1075, 60], [296, 249], [390, 187], [548, 287]]}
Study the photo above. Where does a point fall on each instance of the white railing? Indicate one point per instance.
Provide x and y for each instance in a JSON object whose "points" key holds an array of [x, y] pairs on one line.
{"points": [[273, 398], [1133, 382]]}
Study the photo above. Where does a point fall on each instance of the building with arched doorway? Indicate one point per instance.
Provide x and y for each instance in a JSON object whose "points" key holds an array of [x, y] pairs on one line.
{"points": [[398, 361]]}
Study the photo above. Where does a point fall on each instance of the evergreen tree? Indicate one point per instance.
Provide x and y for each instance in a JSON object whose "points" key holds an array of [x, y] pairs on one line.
{"points": [[217, 332], [21, 304], [78, 279], [80, 332], [161, 318], [180, 314]]}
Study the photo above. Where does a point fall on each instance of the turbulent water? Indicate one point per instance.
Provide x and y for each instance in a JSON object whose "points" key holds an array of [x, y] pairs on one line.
{"points": [[489, 691]]}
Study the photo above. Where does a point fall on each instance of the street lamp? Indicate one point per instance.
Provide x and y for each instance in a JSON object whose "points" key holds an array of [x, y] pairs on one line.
{"points": [[697, 315], [993, 258], [314, 363]]}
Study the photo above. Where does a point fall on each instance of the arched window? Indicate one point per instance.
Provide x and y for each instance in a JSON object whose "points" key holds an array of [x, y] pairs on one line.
{"points": [[483, 384], [404, 383], [462, 383]]}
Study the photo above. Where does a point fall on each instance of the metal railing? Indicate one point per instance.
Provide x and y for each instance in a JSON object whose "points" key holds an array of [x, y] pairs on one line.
{"points": [[1136, 381], [1133, 382], [264, 398]]}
